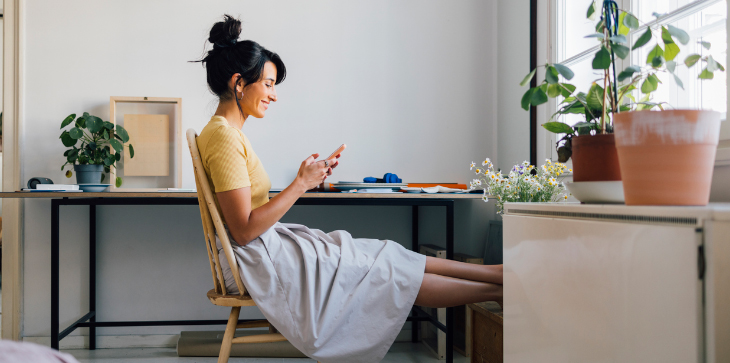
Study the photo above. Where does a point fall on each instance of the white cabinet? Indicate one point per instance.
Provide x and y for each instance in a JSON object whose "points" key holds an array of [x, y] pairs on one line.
{"points": [[611, 283]]}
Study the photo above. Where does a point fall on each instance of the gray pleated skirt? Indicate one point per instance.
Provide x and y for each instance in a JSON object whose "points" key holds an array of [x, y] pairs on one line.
{"points": [[334, 297]]}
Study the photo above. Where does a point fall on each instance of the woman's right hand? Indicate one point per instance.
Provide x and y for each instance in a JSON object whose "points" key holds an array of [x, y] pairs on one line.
{"points": [[312, 173]]}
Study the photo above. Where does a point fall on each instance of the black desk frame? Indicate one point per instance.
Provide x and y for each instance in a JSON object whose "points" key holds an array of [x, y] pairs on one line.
{"points": [[89, 320]]}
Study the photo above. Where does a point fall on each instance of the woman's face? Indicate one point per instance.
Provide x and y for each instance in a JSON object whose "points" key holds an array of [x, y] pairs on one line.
{"points": [[258, 95]]}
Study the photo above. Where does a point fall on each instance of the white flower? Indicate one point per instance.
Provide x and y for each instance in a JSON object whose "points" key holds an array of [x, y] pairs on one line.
{"points": [[472, 165], [477, 182], [526, 163]]}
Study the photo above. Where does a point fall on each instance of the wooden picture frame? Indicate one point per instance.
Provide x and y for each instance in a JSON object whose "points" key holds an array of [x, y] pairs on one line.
{"points": [[176, 124]]}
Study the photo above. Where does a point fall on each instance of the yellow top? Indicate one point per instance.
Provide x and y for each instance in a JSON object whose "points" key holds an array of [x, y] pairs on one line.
{"points": [[230, 162]]}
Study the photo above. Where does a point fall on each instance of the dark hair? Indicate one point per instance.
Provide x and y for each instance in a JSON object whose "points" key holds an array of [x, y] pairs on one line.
{"points": [[229, 56]]}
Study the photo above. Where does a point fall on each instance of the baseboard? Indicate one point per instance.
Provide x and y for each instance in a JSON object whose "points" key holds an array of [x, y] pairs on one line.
{"points": [[111, 341], [138, 341]]}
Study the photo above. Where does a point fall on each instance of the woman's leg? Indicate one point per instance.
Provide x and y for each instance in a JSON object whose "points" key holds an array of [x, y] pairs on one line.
{"points": [[463, 270], [443, 291]]}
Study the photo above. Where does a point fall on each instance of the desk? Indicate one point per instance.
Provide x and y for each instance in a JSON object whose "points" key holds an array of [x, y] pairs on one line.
{"points": [[182, 198]]}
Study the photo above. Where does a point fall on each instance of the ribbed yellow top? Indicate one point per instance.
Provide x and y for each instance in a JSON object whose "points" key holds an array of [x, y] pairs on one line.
{"points": [[230, 162]]}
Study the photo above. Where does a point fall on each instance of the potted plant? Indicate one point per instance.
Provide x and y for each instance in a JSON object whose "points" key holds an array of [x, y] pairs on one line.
{"points": [[94, 153], [591, 142]]}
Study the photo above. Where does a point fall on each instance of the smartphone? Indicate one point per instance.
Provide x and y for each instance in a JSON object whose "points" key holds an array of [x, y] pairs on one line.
{"points": [[339, 150]]}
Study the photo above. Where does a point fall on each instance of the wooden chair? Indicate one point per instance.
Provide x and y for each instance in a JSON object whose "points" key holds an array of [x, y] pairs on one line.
{"points": [[212, 223]]}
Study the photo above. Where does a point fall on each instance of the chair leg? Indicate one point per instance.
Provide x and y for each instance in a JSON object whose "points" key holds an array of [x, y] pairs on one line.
{"points": [[228, 335]]}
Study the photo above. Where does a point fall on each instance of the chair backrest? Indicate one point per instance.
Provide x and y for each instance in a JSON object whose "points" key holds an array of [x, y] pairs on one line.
{"points": [[212, 222]]}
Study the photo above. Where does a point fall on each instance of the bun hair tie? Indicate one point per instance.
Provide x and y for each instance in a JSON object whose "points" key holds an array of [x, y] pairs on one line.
{"points": [[225, 44]]}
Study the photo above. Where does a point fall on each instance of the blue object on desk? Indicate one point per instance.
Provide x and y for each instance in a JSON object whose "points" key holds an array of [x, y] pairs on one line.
{"points": [[387, 178]]}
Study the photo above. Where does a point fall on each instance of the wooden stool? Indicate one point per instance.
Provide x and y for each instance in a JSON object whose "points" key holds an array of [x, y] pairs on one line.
{"points": [[484, 320]]}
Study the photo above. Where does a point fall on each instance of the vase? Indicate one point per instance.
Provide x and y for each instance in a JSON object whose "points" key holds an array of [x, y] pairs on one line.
{"points": [[88, 174], [667, 157], [595, 158]]}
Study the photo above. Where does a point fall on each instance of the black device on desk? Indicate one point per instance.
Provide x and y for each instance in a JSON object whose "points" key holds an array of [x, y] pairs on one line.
{"points": [[32, 182]]}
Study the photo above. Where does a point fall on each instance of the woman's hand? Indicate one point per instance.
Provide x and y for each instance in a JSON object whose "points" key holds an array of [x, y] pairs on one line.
{"points": [[312, 173]]}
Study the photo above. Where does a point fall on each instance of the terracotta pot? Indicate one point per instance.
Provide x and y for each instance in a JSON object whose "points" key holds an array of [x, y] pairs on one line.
{"points": [[595, 158], [667, 157]]}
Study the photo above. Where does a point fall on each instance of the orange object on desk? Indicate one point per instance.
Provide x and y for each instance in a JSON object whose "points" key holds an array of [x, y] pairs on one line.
{"points": [[428, 185]]}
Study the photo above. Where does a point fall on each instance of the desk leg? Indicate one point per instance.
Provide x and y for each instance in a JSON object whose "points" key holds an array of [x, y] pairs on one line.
{"points": [[92, 275], [54, 273], [414, 245], [450, 256]]}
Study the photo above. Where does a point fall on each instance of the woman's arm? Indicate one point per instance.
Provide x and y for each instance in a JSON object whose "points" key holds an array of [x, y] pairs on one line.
{"points": [[245, 224]]}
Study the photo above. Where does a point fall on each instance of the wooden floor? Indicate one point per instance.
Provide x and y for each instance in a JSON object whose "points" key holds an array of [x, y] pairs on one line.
{"points": [[398, 353]]}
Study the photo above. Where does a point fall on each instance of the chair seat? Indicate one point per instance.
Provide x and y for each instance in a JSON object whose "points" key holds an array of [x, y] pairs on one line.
{"points": [[230, 300]]}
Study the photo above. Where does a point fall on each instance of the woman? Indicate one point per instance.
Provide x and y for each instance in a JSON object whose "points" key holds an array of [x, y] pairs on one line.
{"points": [[335, 298]]}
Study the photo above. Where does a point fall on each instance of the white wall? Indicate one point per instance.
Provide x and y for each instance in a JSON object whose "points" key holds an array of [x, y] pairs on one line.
{"points": [[513, 63], [408, 85]]}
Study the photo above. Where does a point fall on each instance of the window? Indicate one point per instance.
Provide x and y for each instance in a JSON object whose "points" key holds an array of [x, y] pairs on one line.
{"points": [[703, 20]]}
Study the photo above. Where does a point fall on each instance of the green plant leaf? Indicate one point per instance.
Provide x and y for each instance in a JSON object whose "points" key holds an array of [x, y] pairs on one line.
{"points": [[102, 177], [657, 15], [81, 122], [567, 89], [94, 124], [619, 39], [680, 34], [558, 127], [705, 44], [538, 97], [594, 98], [131, 151], [631, 21], [622, 28], [109, 161], [596, 35], [599, 26], [666, 37], [706, 74], [650, 84], [118, 156], [116, 145], [68, 120], [628, 73], [554, 90], [671, 51], [602, 60], [527, 78], [108, 125], [643, 39], [122, 133], [76, 133], [657, 51], [691, 59], [679, 81], [657, 62], [620, 50], [564, 71], [591, 10], [118, 182], [105, 135], [525, 103], [671, 66], [551, 75], [713, 65]]}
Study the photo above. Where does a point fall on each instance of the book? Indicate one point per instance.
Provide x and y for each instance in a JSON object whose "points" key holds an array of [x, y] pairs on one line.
{"points": [[57, 187]]}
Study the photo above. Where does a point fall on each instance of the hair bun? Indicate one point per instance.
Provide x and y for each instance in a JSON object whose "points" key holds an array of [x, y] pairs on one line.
{"points": [[225, 33]]}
